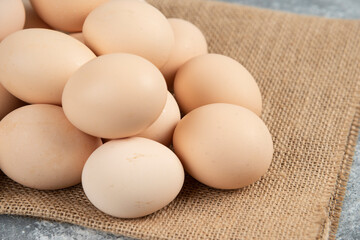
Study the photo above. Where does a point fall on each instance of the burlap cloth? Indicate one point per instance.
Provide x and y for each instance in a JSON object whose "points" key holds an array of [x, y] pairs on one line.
{"points": [[308, 70]]}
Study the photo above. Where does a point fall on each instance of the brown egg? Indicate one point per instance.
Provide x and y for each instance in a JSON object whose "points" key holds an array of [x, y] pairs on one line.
{"points": [[214, 78], [163, 128], [12, 17], [8, 102], [39, 148], [114, 96], [65, 15], [32, 20], [132, 177], [189, 43], [129, 26], [78, 36], [224, 146], [36, 63]]}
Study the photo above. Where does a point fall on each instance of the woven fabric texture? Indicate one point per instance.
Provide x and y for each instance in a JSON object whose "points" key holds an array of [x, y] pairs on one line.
{"points": [[308, 71]]}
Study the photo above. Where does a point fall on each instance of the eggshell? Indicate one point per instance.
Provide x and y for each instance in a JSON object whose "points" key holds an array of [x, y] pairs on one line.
{"points": [[78, 36], [36, 63], [8, 102], [32, 20], [65, 15], [39, 148], [12, 17], [115, 96], [189, 43], [133, 177], [129, 26], [163, 128], [223, 145], [214, 78]]}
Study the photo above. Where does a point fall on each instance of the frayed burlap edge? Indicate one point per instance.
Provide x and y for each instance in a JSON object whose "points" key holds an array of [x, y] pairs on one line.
{"points": [[335, 204], [329, 212]]}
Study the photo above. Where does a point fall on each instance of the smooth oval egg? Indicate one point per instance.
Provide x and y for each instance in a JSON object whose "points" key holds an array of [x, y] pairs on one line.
{"points": [[214, 78], [223, 145], [8, 102], [128, 26], [65, 15], [189, 43], [36, 63], [114, 96], [32, 20], [163, 128], [40, 148], [12, 17], [132, 177]]}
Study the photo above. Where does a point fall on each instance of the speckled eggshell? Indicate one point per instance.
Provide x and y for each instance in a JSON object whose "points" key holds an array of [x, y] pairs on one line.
{"points": [[214, 78], [65, 15], [12, 17], [39, 148], [189, 43], [114, 96], [8, 102], [133, 177], [224, 146], [36, 63], [32, 20], [129, 26], [163, 128]]}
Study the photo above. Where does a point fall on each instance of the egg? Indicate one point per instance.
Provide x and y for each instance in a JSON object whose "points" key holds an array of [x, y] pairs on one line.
{"points": [[163, 128], [224, 146], [39, 148], [214, 78], [114, 96], [32, 20], [65, 15], [8, 102], [133, 177], [36, 63], [189, 43], [129, 26], [78, 36], [12, 17]]}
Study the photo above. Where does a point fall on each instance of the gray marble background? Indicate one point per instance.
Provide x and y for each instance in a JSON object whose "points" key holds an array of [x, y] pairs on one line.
{"points": [[17, 228]]}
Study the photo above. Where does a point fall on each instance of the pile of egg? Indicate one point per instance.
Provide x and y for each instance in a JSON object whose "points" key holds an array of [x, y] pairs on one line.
{"points": [[84, 73]]}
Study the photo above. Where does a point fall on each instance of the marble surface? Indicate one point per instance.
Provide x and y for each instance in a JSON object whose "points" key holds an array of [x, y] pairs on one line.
{"points": [[349, 9], [15, 227]]}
